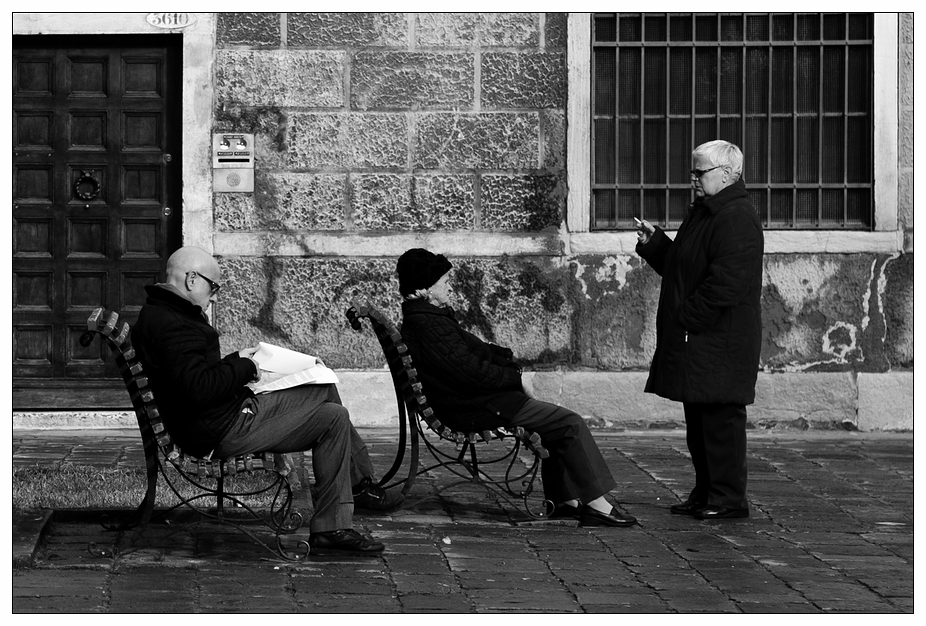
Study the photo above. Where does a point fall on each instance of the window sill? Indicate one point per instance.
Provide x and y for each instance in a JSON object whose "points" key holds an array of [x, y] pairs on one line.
{"points": [[776, 242]]}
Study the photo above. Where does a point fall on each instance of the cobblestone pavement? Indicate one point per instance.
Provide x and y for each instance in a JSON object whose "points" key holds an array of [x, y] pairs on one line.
{"points": [[831, 531]]}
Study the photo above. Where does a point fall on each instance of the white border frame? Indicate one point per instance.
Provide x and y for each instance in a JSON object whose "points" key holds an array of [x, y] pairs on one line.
{"points": [[886, 238]]}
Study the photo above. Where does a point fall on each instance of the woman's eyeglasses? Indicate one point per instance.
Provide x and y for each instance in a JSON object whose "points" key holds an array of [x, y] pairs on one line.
{"points": [[700, 173]]}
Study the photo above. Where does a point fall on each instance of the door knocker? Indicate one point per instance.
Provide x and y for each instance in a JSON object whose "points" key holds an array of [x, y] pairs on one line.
{"points": [[87, 187]]}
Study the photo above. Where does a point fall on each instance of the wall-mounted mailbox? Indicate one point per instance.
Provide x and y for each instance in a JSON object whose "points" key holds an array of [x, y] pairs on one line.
{"points": [[233, 162]]}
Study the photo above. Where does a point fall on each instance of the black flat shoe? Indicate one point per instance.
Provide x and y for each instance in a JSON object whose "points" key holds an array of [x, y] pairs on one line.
{"points": [[591, 517], [344, 542], [686, 508], [565, 511], [721, 512]]}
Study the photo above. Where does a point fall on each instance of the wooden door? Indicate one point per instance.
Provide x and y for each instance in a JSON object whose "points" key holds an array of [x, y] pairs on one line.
{"points": [[96, 202]]}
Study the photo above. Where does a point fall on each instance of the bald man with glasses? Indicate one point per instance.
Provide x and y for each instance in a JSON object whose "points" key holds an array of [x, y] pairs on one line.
{"points": [[210, 411]]}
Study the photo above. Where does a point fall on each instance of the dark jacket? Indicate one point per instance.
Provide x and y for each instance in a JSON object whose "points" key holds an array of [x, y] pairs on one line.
{"points": [[197, 392], [708, 324], [471, 385]]}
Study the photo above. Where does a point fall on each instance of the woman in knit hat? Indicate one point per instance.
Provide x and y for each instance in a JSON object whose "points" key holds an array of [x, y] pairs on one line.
{"points": [[473, 385]]}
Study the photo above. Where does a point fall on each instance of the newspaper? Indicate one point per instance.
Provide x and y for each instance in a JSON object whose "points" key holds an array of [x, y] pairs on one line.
{"points": [[282, 368]]}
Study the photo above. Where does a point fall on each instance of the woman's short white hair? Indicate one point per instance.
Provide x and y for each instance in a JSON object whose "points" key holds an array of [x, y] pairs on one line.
{"points": [[723, 153]]}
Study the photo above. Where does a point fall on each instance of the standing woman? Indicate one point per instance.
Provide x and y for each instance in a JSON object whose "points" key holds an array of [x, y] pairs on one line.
{"points": [[708, 326]]}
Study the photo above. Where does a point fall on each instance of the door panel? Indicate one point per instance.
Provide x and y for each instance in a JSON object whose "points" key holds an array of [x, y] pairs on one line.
{"points": [[96, 154]]}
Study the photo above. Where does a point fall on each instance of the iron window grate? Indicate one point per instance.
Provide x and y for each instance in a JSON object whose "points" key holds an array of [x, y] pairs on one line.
{"points": [[793, 90]]}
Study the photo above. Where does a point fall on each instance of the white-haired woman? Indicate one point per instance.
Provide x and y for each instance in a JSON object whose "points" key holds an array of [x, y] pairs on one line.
{"points": [[708, 326]]}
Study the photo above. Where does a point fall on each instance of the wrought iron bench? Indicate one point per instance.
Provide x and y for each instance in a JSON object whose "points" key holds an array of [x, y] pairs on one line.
{"points": [[206, 477], [452, 450]]}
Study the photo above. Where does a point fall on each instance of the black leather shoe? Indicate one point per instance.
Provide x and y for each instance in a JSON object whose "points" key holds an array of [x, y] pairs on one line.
{"points": [[343, 542], [372, 498], [686, 508], [720, 512], [565, 511], [592, 517]]}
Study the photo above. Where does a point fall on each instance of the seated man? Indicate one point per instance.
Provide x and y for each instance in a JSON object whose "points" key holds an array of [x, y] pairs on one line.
{"points": [[209, 410]]}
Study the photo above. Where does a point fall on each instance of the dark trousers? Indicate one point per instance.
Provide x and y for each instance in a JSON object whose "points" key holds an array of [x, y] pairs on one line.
{"points": [[716, 435], [575, 468], [309, 417]]}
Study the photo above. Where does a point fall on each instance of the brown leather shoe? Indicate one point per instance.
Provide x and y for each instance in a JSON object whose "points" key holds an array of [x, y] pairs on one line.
{"points": [[346, 542], [687, 508], [720, 512], [370, 497]]}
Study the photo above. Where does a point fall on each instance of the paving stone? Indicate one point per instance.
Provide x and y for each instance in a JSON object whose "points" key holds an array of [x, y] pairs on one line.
{"points": [[812, 545]]}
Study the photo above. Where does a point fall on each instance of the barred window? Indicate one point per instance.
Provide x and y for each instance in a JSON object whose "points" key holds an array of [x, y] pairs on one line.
{"points": [[793, 90]]}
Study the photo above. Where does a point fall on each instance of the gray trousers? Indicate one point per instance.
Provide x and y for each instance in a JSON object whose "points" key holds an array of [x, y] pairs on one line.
{"points": [[309, 417]]}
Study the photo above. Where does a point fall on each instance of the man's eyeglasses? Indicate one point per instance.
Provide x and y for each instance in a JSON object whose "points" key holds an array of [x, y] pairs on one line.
{"points": [[214, 285], [700, 173]]}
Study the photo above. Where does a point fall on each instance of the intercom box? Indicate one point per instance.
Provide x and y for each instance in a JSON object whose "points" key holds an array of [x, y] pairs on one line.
{"points": [[233, 162]]}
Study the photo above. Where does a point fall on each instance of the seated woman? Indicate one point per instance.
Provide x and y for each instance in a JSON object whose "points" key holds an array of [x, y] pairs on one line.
{"points": [[473, 385]]}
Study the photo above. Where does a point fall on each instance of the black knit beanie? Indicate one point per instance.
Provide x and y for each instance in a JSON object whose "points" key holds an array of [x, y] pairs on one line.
{"points": [[419, 269]]}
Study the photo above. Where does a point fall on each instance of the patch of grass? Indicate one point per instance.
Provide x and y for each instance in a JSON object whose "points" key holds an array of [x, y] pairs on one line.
{"points": [[70, 486]]}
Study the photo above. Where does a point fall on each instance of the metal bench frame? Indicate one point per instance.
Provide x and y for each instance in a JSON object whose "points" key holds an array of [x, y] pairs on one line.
{"points": [[197, 472], [416, 419]]}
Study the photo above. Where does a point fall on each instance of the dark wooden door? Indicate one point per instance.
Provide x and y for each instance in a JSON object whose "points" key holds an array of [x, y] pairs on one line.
{"points": [[96, 202]]}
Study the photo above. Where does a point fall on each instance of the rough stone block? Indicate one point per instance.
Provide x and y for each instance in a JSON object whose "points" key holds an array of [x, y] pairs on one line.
{"points": [[477, 29], [529, 80], [555, 30], [398, 202], [248, 29], [905, 77], [285, 78], [885, 401], [347, 140], [897, 304], [906, 28], [299, 303], [517, 303], [522, 202], [317, 30], [479, 141], [285, 202], [817, 312], [381, 202], [447, 200], [411, 80], [553, 131], [905, 183], [905, 138], [615, 299]]}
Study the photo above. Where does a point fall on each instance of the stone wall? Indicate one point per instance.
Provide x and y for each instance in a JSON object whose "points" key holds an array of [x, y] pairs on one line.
{"points": [[378, 132]]}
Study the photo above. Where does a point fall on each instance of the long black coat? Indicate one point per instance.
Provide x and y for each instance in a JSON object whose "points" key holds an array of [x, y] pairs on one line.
{"points": [[471, 385], [198, 392], [708, 324]]}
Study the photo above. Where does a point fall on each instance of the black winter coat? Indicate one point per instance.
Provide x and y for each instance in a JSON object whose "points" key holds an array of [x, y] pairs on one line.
{"points": [[708, 324], [471, 385], [198, 393]]}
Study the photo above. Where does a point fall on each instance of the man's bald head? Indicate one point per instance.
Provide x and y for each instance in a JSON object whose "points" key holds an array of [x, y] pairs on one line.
{"points": [[192, 271], [190, 259]]}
